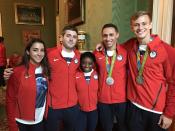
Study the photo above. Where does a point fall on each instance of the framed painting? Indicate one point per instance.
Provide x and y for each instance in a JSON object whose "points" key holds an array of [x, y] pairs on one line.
{"points": [[28, 35], [76, 11], [29, 14]]}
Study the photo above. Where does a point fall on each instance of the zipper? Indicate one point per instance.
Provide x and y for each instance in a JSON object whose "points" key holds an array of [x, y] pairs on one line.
{"points": [[89, 95], [68, 86], [50, 97], [155, 102]]}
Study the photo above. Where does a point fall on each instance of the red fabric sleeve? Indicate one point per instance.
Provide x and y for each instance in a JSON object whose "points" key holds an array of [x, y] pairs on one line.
{"points": [[169, 109]]}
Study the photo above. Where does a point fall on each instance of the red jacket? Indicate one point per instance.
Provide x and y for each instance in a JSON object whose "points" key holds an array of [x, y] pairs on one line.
{"points": [[3, 60], [21, 96], [62, 91], [117, 92], [157, 73], [87, 92]]}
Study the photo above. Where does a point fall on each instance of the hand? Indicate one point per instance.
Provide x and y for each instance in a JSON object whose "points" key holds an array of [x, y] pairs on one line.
{"points": [[7, 73], [164, 122], [99, 47]]}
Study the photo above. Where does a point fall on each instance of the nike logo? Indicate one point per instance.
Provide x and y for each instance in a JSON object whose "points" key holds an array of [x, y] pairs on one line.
{"points": [[55, 59], [77, 77], [100, 58]]}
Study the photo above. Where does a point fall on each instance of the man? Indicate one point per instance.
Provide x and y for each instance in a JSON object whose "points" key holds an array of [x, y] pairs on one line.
{"points": [[62, 95], [152, 103], [112, 80]]}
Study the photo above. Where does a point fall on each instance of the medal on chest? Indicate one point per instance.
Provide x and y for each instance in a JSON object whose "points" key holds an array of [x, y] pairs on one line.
{"points": [[109, 68], [140, 67]]}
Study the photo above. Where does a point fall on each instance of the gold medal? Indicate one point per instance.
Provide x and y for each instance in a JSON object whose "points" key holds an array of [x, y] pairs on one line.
{"points": [[139, 80], [109, 80]]}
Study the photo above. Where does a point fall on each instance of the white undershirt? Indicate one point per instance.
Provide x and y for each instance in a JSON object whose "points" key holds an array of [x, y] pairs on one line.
{"points": [[142, 47], [88, 73], [67, 54], [110, 53]]}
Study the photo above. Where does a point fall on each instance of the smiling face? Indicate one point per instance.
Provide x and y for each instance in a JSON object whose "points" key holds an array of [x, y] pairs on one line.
{"points": [[142, 27], [36, 53], [110, 37], [87, 64], [70, 39]]}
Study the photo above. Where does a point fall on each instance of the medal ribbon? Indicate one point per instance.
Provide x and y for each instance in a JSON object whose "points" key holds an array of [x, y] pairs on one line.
{"points": [[140, 66], [109, 67]]}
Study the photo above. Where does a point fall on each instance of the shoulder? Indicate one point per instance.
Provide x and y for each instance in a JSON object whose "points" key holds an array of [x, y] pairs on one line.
{"points": [[53, 50], [98, 53], [78, 74], [19, 69], [121, 49], [129, 43], [77, 53], [17, 72]]}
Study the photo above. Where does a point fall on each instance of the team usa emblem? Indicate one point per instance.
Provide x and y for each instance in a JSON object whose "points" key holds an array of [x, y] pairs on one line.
{"points": [[153, 54], [95, 77], [76, 61], [119, 57]]}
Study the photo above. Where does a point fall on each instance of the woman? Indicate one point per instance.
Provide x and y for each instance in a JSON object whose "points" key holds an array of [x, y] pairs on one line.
{"points": [[26, 89], [87, 89]]}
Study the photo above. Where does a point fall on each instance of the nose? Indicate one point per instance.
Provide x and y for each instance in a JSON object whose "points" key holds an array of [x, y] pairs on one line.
{"points": [[39, 53], [107, 37], [71, 38], [140, 26]]}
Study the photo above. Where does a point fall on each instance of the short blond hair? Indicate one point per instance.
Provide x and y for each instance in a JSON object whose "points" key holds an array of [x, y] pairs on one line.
{"points": [[136, 15]]}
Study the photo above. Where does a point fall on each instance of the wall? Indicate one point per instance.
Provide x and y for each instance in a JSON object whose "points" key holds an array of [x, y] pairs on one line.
{"points": [[13, 32], [97, 13], [122, 10]]}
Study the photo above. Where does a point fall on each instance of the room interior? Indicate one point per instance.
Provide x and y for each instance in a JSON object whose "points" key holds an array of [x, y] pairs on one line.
{"points": [[50, 16]]}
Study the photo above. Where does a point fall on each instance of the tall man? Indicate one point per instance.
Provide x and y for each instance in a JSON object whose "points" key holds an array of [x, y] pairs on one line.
{"points": [[112, 80], [152, 103]]}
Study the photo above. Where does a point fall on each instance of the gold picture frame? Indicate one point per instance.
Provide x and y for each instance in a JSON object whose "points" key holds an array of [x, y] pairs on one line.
{"points": [[27, 35], [76, 12], [0, 26], [29, 14]]}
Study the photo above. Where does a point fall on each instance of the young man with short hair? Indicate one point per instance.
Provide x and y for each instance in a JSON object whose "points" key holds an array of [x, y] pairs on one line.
{"points": [[152, 103], [112, 62]]}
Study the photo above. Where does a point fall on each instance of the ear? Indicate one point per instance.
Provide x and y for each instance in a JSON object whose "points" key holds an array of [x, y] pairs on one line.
{"points": [[150, 26], [60, 38], [117, 36], [27, 52]]}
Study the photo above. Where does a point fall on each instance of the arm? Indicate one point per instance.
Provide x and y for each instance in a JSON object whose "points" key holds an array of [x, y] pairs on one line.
{"points": [[11, 95], [169, 110]]}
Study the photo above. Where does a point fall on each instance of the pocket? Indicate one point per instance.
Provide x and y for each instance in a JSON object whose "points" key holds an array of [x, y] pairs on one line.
{"points": [[157, 96]]}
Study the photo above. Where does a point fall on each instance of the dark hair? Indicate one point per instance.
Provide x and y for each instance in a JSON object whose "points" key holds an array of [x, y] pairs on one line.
{"points": [[87, 55], [110, 25], [136, 15], [44, 63], [1, 39], [69, 27]]}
